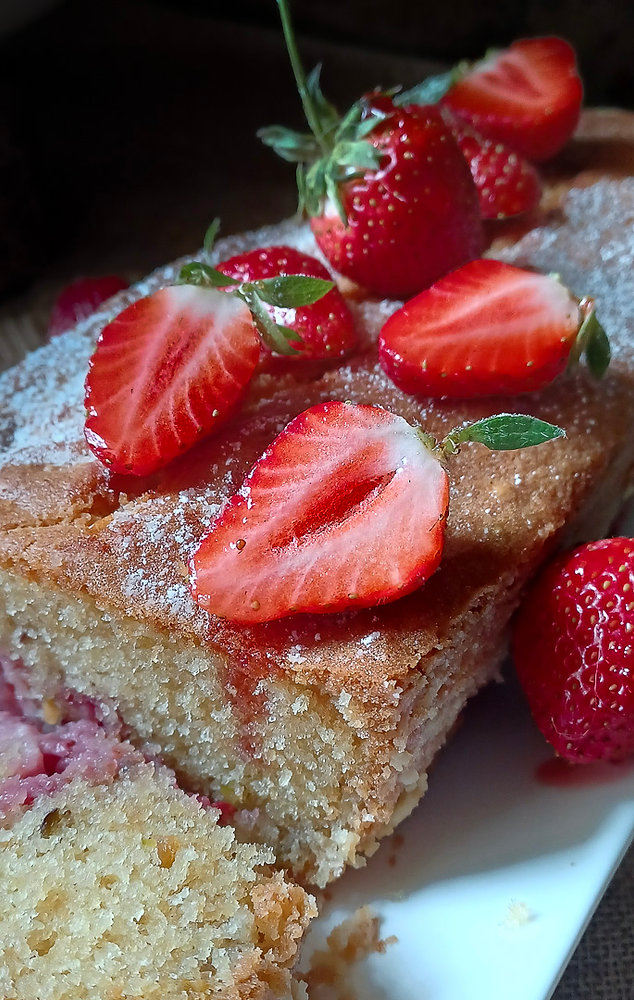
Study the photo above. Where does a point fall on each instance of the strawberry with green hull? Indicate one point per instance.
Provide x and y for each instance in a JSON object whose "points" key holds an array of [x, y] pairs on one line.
{"points": [[346, 509], [527, 96], [326, 327], [174, 366], [490, 329], [391, 200], [573, 651]]}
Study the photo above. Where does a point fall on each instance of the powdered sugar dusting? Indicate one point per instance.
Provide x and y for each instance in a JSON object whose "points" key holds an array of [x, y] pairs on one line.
{"points": [[592, 249]]}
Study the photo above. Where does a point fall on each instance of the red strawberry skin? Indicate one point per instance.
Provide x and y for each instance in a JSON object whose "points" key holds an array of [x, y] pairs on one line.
{"points": [[573, 651], [527, 96], [414, 218], [507, 184], [81, 299], [486, 329], [326, 327], [345, 509], [166, 372]]}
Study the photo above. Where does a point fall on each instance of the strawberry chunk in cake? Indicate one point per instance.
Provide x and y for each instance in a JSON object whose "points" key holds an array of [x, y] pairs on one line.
{"points": [[117, 883]]}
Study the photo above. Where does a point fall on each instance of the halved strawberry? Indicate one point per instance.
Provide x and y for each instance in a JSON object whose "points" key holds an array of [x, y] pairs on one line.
{"points": [[81, 299], [507, 184], [345, 509], [326, 327], [527, 96], [319, 521], [490, 328], [168, 370]]}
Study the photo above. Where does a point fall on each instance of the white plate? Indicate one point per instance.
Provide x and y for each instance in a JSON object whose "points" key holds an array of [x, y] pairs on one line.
{"points": [[492, 841]]}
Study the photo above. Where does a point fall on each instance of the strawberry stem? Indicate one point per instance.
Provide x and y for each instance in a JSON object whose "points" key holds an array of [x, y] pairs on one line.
{"points": [[312, 116]]}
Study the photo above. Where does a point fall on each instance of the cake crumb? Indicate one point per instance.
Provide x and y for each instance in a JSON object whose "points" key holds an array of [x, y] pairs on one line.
{"points": [[350, 942], [518, 914]]}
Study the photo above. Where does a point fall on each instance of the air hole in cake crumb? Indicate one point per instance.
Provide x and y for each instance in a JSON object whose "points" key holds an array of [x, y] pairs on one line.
{"points": [[167, 849], [41, 945], [53, 823]]}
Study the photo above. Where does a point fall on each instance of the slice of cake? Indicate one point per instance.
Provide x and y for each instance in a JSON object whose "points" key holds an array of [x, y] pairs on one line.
{"points": [[318, 729], [118, 884]]}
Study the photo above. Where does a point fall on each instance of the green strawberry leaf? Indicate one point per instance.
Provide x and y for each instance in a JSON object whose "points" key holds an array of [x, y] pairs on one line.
{"points": [[350, 122], [326, 112], [210, 235], [294, 147], [291, 291], [356, 154], [274, 335], [503, 432], [598, 351], [592, 341], [331, 178], [429, 91], [197, 273]]}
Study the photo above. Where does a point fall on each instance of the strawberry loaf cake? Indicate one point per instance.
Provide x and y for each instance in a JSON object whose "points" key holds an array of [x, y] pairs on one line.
{"points": [[317, 729]]}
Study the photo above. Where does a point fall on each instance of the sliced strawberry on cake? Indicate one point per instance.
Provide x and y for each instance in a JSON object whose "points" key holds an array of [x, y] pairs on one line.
{"points": [[490, 329]]}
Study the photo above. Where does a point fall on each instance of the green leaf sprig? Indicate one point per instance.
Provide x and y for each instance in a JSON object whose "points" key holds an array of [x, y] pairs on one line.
{"points": [[501, 432], [284, 291], [335, 150]]}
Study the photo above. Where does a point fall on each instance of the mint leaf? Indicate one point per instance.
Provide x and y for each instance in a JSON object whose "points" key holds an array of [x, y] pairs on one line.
{"points": [[503, 432], [197, 273], [290, 291]]}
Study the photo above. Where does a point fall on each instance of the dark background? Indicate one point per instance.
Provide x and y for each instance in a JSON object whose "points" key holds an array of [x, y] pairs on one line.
{"points": [[125, 126]]}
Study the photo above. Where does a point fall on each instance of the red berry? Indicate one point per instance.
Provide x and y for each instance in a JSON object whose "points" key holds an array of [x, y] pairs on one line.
{"points": [[166, 372], [527, 96], [81, 299], [412, 219], [507, 184], [326, 327], [318, 525], [574, 655], [487, 328]]}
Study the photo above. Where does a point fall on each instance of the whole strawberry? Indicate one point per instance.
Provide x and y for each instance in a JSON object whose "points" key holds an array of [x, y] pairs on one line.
{"points": [[390, 197], [574, 655], [411, 218], [326, 327], [81, 299]]}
